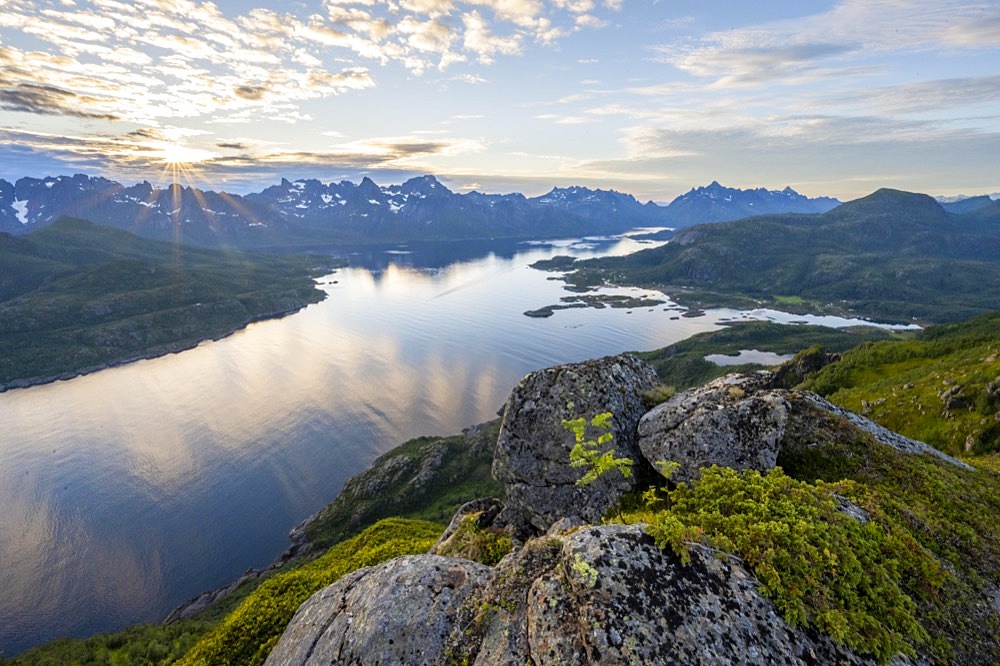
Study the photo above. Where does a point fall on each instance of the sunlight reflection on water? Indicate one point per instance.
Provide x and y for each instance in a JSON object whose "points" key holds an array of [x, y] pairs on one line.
{"points": [[129, 490]]}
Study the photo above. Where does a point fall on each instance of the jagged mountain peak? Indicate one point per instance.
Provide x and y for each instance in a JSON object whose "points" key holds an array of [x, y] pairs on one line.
{"points": [[717, 203], [424, 185]]}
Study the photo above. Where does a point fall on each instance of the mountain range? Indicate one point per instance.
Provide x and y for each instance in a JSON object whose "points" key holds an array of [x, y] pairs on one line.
{"points": [[309, 212], [891, 255], [716, 203]]}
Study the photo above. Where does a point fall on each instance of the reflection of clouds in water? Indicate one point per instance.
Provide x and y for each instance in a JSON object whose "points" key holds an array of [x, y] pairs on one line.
{"points": [[219, 450], [749, 356], [43, 575]]}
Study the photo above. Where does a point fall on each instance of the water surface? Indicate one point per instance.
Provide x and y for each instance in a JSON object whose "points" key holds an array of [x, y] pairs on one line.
{"points": [[130, 490]]}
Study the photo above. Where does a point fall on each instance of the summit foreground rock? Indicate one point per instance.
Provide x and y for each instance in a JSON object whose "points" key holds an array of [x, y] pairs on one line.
{"points": [[576, 592]]}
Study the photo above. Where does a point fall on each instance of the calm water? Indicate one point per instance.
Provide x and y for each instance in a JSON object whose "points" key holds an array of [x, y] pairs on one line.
{"points": [[130, 490]]}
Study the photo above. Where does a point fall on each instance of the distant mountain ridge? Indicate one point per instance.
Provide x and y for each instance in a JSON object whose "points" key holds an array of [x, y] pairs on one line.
{"points": [[309, 212], [891, 255], [717, 203]]}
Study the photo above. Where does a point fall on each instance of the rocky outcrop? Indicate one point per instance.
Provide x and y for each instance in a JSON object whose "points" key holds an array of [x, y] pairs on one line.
{"points": [[599, 595], [532, 455], [728, 422], [572, 592], [481, 512], [402, 478], [399, 612], [739, 421], [883, 435]]}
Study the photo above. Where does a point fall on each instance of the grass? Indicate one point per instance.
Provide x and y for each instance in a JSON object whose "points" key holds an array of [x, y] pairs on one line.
{"points": [[247, 635], [820, 567], [941, 387]]}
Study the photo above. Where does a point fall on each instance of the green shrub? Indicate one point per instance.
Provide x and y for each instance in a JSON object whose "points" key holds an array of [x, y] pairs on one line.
{"points": [[486, 545], [586, 452], [657, 395], [820, 567], [141, 645], [249, 633]]}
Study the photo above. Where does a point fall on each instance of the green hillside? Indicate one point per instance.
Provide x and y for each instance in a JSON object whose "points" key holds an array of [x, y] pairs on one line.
{"points": [[894, 256], [942, 388], [683, 365], [76, 296]]}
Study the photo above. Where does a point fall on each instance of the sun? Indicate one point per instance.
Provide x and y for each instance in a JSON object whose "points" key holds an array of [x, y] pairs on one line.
{"points": [[174, 153]]}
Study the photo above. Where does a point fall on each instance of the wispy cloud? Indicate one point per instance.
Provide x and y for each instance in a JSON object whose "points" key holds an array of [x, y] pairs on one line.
{"points": [[815, 47], [149, 60], [926, 95]]}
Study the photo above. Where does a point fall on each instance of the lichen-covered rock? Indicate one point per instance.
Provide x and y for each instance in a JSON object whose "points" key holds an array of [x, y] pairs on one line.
{"points": [[400, 612], [532, 455], [609, 595], [740, 421], [729, 422], [622, 600]]}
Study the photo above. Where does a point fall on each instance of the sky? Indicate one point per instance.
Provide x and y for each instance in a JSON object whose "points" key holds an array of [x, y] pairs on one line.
{"points": [[648, 97]]}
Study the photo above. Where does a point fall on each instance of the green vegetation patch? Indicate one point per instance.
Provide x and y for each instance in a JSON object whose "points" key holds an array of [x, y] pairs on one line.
{"points": [[822, 568], [486, 545], [141, 645], [683, 365], [249, 633], [942, 388], [947, 510], [426, 478]]}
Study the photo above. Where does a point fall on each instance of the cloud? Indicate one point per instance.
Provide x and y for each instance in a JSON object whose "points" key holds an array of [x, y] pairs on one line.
{"points": [[250, 92], [927, 95], [756, 64], [844, 157], [564, 119], [44, 99], [816, 47], [975, 33], [479, 40], [149, 60]]}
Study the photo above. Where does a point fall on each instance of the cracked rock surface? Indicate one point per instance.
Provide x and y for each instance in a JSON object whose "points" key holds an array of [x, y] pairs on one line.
{"points": [[399, 612], [599, 595], [532, 455], [727, 422]]}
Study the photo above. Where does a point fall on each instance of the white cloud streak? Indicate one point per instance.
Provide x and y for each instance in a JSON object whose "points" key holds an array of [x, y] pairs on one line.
{"points": [[814, 48], [149, 61]]}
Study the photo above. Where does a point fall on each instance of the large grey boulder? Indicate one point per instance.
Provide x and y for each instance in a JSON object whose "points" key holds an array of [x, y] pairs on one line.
{"points": [[597, 595], [399, 612], [532, 455], [614, 597], [740, 421], [730, 422]]}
